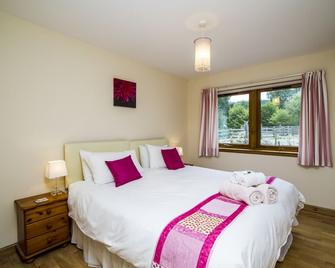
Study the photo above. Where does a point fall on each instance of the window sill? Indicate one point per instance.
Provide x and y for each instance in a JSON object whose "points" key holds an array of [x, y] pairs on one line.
{"points": [[259, 151]]}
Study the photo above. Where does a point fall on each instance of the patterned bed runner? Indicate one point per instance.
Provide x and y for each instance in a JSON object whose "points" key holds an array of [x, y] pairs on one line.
{"points": [[188, 239]]}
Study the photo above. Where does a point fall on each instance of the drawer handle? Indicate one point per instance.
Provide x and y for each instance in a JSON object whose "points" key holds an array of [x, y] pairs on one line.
{"points": [[49, 226], [29, 220], [64, 219], [40, 213], [48, 211], [50, 240]]}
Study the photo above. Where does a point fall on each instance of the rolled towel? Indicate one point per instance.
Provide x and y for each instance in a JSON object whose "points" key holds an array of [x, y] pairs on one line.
{"points": [[270, 193], [248, 178], [250, 195]]}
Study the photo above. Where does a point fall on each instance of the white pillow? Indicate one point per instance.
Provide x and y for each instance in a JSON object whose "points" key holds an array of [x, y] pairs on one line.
{"points": [[100, 171], [86, 170], [144, 156], [155, 155]]}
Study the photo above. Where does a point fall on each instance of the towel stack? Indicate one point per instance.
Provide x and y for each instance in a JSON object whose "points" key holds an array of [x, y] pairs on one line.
{"points": [[250, 187]]}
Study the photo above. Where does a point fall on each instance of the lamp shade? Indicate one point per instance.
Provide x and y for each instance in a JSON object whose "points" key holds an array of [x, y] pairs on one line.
{"points": [[202, 57], [56, 169], [180, 150]]}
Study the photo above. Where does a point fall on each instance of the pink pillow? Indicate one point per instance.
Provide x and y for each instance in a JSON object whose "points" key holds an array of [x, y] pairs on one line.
{"points": [[172, 159], [123, 170]]}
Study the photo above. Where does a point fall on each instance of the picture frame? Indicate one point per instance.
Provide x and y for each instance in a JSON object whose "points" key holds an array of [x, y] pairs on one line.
{"points": [[124, 94]]}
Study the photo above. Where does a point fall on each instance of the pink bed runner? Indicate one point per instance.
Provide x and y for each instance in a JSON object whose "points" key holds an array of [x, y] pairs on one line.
{"points": [[188, 239]]}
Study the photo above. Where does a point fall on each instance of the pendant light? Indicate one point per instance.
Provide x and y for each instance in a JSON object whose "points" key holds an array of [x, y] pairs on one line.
{"points": [[202, 51]]}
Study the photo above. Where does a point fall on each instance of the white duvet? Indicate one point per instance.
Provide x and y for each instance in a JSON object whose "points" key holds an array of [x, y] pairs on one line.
{"points": [[130, 218]]}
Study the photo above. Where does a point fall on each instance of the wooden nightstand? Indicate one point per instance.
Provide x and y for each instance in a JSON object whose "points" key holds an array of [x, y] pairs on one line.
{"points": [[41, 226]]}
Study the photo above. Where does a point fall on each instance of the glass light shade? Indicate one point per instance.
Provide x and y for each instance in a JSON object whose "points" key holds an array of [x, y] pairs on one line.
{"points": [[180, 150], [56, 169], [202, 48]]}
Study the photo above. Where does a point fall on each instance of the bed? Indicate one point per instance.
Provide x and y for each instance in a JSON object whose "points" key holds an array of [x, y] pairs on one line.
{"points": [[120, 227]]}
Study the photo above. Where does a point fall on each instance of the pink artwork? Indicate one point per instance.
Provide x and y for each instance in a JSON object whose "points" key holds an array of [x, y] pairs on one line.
{"points": [[124, 93]]}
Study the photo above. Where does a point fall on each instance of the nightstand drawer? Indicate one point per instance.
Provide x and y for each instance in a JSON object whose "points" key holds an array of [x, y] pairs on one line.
{"points": [[43, 212], [46, 225], [44, 241], [41, 226]]}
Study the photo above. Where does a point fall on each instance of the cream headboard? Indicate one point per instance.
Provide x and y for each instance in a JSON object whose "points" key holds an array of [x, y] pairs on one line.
{"points": [[72, 157]]}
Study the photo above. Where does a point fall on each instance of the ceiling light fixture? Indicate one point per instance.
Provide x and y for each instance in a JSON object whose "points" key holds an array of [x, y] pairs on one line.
{"points": [[202, 51]]}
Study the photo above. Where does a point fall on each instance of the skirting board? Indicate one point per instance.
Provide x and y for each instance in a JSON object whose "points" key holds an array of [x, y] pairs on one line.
{"points": [[8, 247], [320, 210]]}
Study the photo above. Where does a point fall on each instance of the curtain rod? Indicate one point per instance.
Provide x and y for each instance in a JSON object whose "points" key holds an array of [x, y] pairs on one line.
{"points": [[287, 78]]}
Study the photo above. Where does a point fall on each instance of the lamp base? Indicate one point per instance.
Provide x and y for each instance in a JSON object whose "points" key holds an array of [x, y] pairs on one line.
{"points": [[56, 193]]}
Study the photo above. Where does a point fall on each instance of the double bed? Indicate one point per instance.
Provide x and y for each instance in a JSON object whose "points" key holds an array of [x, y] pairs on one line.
{"points": [[120, 226]]}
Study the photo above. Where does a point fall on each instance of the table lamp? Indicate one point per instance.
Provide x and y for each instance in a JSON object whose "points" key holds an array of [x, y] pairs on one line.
{"points": [[54, 170], [180, 150]]}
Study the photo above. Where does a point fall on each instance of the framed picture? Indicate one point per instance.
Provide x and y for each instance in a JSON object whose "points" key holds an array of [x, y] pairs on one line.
{"points": [[124, 93]]}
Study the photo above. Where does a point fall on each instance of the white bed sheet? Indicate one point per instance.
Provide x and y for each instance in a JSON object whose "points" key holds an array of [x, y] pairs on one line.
{"points": [[130, 218]]}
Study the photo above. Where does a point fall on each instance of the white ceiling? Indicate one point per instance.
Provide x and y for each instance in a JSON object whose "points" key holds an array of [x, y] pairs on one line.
{"points": [[159, 33]]}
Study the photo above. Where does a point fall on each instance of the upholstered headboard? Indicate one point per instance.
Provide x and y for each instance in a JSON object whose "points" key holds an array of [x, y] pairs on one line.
{"points": [[72, 157]]}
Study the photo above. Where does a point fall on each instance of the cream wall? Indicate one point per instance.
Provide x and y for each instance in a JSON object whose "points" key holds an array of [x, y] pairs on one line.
{"points": [[318, 185], [55, 89]]}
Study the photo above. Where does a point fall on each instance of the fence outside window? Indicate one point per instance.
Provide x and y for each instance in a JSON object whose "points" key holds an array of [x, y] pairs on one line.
{"points": [[275, 136]]}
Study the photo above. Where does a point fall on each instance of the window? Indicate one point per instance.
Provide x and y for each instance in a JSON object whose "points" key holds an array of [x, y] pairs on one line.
{"points": [[262, 121], [234, 119]]}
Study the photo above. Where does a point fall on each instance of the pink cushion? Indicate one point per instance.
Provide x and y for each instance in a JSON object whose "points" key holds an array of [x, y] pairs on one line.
{"points": [[123, 170], [172, 159]]}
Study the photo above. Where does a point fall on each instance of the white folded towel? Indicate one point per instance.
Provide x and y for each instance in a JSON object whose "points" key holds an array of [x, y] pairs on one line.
{"points": [[270, 193], [250, 195], [248, 178]]}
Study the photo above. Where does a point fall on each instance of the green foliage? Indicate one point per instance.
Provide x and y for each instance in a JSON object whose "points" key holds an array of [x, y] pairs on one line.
{"points": [[223, 107], [267, 111], [293, 108], [283, 95], [280, 118], [245, 104], [237, 116]]}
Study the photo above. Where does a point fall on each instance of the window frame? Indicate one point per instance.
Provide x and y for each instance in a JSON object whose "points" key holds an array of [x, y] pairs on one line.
{"points": [[238, 145], [254, 146]]}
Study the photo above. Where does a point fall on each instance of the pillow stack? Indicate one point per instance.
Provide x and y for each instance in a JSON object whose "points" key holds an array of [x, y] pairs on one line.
{"points": [[96, 169], [153, 156], [123, 167]]}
